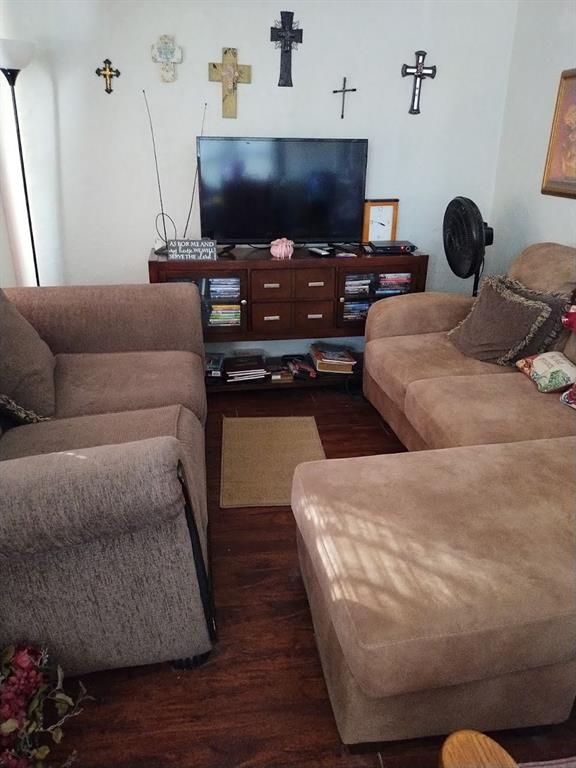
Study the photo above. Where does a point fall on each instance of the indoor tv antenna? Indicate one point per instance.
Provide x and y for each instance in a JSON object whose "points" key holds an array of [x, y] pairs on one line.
{"points": [[163, 215]]}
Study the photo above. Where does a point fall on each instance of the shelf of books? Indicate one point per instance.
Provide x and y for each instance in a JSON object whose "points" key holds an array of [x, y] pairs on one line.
{"points": [[322, 365], [221, 298], [362, 290]]}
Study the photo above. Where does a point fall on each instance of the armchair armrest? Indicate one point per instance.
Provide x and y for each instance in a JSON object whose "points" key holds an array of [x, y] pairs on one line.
{"points": [[114, 318], [415, 313], [60, 500]]}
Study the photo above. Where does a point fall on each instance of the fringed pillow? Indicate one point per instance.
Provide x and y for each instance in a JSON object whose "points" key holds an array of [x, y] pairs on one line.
{"points": [[13, 415], [501, 324]]}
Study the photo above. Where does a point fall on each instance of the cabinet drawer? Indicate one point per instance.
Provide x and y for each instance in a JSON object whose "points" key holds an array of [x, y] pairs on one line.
{"points": [[271, 317], [271, 284], [313, 315], [314, 283]]}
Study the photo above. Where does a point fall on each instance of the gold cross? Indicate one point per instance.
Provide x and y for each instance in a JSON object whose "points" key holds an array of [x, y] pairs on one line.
{"points": [[229, 73], [107, 73]]}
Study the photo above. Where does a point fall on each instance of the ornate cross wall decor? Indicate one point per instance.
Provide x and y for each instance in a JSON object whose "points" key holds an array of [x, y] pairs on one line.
{"points": [[166, 53], [107, 72], [420, 72], [229, 73], [286, 34], [344, 91]]}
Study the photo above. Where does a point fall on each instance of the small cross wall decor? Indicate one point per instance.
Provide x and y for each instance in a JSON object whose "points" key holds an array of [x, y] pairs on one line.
{"points": [[286, 35], [420, 72], [107, 72], [344, 91], [166, 53], [229, 73]]}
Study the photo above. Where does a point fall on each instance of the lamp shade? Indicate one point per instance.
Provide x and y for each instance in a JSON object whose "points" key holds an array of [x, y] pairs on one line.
{"points": [[15, 54]]}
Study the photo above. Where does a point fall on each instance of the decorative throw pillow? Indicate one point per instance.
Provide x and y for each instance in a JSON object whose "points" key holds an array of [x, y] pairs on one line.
{"points": [[12, 414], [551, 372], [501, 324], [26, 362], [569, 397], [547, 334]]}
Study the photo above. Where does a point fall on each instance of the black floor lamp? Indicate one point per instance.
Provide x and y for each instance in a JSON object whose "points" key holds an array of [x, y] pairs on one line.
{"points": [[14, 56]]}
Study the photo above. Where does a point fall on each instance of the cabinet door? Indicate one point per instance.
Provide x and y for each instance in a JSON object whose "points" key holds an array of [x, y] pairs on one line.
{"points": [[223, 296], [359, 289]]}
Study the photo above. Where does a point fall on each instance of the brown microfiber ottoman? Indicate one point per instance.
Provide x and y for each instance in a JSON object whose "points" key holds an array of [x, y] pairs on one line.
{"points": [[442, 586]]}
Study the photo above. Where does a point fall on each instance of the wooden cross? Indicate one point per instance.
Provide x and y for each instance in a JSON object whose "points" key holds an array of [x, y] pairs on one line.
{"points": [[166, 53], [286, 36], [107, 73], [344, 91], [229, 73], [420, 72]]}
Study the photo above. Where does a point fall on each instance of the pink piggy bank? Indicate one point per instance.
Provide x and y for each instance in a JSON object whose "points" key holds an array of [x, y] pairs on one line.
{"points": [[282, 248]]}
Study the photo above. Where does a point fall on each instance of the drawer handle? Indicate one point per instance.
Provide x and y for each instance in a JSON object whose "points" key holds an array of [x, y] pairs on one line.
{"points": [[271, 317], [317, 284], [271, 285], [315, 317]]}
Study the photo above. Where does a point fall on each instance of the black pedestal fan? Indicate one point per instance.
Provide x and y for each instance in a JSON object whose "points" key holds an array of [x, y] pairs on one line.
{"points": [[466, 236]]}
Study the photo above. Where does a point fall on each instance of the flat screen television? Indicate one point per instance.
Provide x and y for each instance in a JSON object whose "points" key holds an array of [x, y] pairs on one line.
{"points": [[253, 190]]}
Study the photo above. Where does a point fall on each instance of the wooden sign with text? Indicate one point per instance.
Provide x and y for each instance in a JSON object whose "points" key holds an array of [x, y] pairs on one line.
{"points": [[192, 250]]}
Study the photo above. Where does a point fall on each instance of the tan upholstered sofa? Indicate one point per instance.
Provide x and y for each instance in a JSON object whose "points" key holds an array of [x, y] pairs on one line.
{"points": [[103, 553], [442, 582]]}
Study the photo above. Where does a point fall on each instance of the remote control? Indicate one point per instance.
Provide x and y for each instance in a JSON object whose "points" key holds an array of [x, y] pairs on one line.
{"points": [[319, 251]]}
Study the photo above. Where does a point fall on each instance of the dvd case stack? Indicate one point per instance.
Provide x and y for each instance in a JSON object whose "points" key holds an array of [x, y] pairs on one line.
{"points": [[357, 285], [355, 311], [393, 283]]}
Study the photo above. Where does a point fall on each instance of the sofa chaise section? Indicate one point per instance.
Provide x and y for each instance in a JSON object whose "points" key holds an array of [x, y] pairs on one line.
{"points": [[443, 587]]}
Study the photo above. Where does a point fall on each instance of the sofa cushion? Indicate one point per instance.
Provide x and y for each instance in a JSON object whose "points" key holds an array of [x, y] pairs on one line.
{"points": [[431, 576], [546, 267], [474, 410], [122, 381], [26, 362], [396, 361], [113, 428]]}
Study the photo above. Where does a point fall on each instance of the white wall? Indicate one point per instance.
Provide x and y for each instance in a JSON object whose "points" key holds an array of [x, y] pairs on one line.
{"points": [[544, 45], [93, 151], [7, 274]]}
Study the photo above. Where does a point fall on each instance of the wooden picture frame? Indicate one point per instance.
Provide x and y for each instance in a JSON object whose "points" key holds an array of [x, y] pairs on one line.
{"points": [[560, 169], [380, 220]]}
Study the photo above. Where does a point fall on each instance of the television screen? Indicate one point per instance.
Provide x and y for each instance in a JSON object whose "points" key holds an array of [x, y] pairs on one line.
{"points": [[255, 190]]}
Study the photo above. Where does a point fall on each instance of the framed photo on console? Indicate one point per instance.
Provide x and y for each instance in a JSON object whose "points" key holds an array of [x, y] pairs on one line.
{"points": [[380, 217], [560, 169]]}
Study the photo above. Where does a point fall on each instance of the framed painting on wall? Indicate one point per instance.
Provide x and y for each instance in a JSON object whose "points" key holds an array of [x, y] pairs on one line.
{"points": [[560, 169], [380, 217]]}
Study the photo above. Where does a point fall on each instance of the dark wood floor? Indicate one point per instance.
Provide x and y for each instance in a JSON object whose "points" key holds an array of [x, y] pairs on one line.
{"points": [[260, 702]]}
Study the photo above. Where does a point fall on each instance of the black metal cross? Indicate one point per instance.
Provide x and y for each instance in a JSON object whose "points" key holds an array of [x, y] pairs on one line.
{"points": [[420, 72], [286, 37], [344, 91], [107, 72]]}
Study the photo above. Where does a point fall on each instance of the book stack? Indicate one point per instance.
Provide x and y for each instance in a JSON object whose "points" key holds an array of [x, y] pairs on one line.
{"points": [[224, 287], [357, 285], [245, 368], [222, 315], [355, 311], [329, 358], [393, 283]]}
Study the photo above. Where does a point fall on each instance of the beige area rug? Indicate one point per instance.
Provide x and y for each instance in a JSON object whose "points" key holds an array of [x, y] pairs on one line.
{"points": [[259, 456]]}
